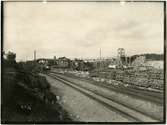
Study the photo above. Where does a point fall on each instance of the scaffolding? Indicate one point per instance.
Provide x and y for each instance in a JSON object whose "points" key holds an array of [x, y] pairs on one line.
{"points": [[121, 57]]}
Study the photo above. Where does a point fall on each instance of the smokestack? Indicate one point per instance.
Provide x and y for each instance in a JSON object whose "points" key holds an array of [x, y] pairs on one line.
{"points": [[35, 55], [100, 54]]}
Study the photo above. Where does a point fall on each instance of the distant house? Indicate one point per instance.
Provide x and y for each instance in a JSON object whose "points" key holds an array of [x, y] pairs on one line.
{"points": [[42, 61], [158, 64], [63, 62], [143, 63]]}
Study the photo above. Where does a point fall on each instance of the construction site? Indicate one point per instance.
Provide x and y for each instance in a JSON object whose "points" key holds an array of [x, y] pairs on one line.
{"points": [[139, 70], [131, 88], [83, 62]]}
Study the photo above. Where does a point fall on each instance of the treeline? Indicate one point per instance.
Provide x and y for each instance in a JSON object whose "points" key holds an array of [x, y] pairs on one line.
{"points": [[26, 95], [150, 56], [26, 73]]}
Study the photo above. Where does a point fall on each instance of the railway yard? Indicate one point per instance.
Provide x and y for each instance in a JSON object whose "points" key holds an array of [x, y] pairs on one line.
{"points": [[66, 90], [92, 101], [83, 62]]}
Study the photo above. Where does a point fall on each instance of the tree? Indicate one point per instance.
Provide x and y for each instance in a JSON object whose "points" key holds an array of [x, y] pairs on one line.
{"points": [[11, 57], [10, 60]]}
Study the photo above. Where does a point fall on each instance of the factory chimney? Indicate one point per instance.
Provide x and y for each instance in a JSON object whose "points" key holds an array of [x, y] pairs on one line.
{"points": [[35, 55]]}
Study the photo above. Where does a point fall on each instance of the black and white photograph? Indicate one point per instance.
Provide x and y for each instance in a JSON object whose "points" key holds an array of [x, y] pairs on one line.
{"points": [[83, 61]]}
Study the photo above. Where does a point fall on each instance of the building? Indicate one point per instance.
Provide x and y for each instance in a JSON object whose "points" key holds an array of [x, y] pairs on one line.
{"points": [[158, 64], [63, 62]]}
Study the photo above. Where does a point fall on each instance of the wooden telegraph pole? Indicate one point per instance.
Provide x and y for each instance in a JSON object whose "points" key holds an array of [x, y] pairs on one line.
{"points": [[100, 59]]}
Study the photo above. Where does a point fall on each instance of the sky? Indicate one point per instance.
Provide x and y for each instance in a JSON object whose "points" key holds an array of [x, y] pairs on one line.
{"points": [[80, 29]]}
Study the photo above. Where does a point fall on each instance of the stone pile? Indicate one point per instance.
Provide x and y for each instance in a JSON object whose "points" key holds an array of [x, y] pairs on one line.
{"points": [[149, 78]]}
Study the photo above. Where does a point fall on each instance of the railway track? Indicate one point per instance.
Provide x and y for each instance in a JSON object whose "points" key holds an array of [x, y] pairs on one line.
{"points": [[142, 94], [124, 110], [155, 97]]}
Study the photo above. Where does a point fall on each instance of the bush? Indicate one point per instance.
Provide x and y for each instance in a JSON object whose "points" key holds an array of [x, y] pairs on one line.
{"points": [[43, 83]]}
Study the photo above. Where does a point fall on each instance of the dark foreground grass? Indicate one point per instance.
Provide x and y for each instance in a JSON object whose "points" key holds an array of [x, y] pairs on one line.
{"points": [[14, 100]]}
